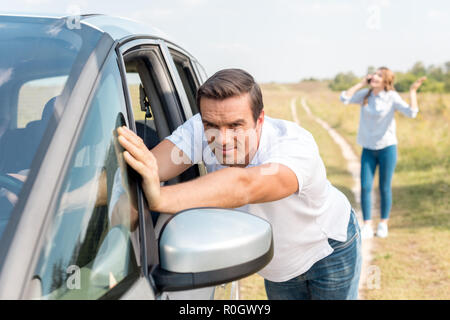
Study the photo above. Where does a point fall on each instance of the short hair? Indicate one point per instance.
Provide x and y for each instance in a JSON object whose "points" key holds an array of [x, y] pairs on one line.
{"points": [[229, 83]]}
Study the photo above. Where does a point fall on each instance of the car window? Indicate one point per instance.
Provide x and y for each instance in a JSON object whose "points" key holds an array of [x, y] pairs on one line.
{"points": [[201, 72], [38, 56], [143, 73], [33, 96], [148, 80], [92, 242], [188, 78]]}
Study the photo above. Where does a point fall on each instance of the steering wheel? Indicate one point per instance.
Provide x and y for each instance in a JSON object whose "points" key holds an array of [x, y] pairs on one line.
{"points": [[10, 183]]}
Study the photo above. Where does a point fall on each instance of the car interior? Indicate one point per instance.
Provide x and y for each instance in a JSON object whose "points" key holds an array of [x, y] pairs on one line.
{"points": [[151, 103], [27, 138]]}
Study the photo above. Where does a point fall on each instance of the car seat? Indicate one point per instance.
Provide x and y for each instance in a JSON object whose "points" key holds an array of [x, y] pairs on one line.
{"points": [[18, 146]]}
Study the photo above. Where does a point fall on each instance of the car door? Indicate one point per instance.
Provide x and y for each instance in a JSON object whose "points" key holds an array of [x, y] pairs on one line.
{"points": [[92, 245], [191, 75], [160, 104]]}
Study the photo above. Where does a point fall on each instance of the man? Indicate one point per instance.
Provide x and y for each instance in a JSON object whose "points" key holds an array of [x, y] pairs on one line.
{"points": [[269, 167]]}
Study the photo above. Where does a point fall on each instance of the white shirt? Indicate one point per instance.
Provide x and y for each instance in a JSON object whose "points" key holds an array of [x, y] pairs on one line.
{"points": [[377, 128], [302, 222]]}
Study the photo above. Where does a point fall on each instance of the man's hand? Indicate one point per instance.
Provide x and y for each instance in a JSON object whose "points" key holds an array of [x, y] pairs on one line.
{"points": [[142, 160]]}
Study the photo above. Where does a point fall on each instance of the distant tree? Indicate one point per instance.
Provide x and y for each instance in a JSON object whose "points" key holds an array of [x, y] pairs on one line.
{"points": [[343, 81], [370, 69], [309, 79], [418, 69], [435, 73], [432, 85], [447, 67], [403, 81], [447, 83], [438, 78]]}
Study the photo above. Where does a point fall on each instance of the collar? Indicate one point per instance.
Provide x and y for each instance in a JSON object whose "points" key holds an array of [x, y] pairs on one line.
{"points": [[380, 94]]}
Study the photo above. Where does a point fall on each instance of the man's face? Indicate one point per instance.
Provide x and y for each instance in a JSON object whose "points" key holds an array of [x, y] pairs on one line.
{"points": [[230, 129]]}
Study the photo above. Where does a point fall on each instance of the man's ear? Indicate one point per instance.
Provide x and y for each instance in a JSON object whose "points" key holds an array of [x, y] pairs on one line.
{"points": [[260, 119]]}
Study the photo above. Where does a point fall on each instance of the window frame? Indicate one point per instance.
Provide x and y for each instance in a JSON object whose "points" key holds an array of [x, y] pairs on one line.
{"points": [[186, 62], [199, 70], [148, 244], [173, 117], [173, 120], [172, 73]]}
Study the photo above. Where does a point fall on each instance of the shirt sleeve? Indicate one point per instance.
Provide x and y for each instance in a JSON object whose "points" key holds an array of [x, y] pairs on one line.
{"points": [[357, 98], [189, 138], [298, 154], [401, 105]]}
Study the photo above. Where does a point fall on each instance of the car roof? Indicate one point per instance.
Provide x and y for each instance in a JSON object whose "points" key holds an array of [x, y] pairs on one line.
{"points": [[117, 27]]}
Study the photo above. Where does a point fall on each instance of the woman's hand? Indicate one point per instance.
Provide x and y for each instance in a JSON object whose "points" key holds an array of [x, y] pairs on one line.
{"points": [[413, 92], [365, 81], [417, 84], [142, 160]]}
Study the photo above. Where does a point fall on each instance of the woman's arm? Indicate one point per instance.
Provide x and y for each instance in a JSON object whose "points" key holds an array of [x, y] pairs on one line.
{"points": [[355, 94], [350, 92], [409, 110], [413, 92]]}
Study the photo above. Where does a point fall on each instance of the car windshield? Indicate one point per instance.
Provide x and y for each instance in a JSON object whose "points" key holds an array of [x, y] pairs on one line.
{"points": [[40, 60]]}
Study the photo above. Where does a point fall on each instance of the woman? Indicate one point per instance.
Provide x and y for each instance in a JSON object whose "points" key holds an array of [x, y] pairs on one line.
{"points": [[377, 136]]}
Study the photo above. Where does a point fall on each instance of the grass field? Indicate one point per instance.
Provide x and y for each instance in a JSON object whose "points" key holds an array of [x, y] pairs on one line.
{"points": [[414, 260]]}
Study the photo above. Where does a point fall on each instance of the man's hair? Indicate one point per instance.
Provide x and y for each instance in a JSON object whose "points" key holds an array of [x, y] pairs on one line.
{"points": [[229, 83]]}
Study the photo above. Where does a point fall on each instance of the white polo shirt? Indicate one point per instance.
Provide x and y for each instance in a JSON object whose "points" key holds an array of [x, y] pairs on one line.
{"points": [[302, 222]]}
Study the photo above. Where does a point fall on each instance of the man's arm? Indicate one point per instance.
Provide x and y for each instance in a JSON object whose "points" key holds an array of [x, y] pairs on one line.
{"points": [[170, 159], [229, 188]]}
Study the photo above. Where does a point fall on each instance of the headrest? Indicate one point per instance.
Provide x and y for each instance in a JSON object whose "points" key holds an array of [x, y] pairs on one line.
{"points": [[49, 108]]}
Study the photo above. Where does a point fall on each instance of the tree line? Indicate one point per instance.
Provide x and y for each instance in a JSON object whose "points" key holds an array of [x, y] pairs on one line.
{"points": [[438, 78]]}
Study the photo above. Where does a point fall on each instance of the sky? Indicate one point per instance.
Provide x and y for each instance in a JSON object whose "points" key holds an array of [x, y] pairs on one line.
{"points": [[282, 40]]}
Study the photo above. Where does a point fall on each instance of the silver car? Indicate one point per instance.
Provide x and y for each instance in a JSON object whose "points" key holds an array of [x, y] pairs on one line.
{"points": [[73, 220]]}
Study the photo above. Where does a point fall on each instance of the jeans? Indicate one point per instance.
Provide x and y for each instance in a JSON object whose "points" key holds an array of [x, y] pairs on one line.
{"points": [[386, 159], [335, 277]]}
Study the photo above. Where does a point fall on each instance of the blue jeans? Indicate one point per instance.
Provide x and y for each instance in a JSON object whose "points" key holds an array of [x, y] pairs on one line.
{"points": [[335, 277], [386, 159]]}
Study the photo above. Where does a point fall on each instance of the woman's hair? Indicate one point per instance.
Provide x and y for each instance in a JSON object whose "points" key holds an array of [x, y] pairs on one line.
{"points": [[388, 82]]}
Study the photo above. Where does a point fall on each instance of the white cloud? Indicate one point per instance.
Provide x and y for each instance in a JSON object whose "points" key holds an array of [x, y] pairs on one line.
{"points": [[317, 8], [233, 47], [194, 3], [436, 14], [37, 2], [150, 15]]}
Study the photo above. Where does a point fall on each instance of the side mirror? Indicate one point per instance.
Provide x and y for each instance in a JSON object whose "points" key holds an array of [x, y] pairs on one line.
{"points": [[208, 246]]}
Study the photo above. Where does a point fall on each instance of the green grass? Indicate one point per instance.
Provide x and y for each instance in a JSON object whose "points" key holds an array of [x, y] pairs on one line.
{"points": [[414, 259]]}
